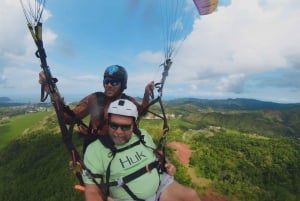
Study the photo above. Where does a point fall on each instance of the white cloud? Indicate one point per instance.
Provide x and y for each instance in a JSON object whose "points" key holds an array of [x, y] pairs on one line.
{"points": [[232, 83], [150, 57], [228, 53], [245, 38], [17, 49]]}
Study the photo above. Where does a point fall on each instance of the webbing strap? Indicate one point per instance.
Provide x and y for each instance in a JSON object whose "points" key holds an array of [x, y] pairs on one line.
{"points": [[127, 189], [128, 147], [134, 175], [122, 182]]}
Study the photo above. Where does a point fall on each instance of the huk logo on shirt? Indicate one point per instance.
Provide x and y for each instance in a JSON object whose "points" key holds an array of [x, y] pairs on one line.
{"points": [[132, 160]]}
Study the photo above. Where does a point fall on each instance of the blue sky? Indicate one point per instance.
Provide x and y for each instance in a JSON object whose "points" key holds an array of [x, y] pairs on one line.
{"points": [[245, 49]]}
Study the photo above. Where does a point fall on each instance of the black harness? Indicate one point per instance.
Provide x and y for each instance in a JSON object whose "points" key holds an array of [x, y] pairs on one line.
{"points": [[122, 182]]}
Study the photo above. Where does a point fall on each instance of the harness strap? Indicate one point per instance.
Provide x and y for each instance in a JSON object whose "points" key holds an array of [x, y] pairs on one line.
{"points": [[127, 147], [127, 189], [124, 180]]}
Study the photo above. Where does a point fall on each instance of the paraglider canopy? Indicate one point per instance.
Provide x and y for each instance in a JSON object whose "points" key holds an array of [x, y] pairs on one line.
{"points": [[175, 21], [206, 7]]}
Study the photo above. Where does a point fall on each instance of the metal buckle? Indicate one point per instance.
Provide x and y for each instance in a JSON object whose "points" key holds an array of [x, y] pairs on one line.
{"points": [[120, 181], [88, 174]]}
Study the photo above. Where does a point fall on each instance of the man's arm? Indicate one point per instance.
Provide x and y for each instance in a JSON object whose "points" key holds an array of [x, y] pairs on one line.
{"points": [[92, 193], [143, 107], [80, 111], [146, 99], [170, 168], [148, 92]]}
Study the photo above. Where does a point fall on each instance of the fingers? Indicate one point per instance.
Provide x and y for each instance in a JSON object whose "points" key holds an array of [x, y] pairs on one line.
{"points": [[149, 87], [171, 170], [43, 82], [109, 199], [42, 77]]}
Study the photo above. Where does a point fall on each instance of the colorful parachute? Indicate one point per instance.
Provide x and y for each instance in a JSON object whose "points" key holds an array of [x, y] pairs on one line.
{"points": [[176, 21], [206, 7]]}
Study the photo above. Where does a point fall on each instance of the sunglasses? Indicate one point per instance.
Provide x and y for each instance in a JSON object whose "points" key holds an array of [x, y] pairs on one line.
{"points": [[115, 126], [111, 82]]}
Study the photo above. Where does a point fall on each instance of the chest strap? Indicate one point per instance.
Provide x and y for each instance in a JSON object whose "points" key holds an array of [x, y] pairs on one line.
{"points": [[122, 181]]}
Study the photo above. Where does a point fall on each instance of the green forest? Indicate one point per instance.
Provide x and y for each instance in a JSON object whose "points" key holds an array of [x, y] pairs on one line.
{"points": [[240, 155]]}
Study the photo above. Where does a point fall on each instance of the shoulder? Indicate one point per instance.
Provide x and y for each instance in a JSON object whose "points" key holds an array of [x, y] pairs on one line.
{"points": [[95, 157], [91, 96], [147, 137], [98, 94], [124, 96], [95, 145], [95, 149], [144, 132]]}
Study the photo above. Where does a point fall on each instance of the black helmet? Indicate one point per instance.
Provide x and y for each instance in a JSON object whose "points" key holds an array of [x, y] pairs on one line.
{"points": [[116, 72]]}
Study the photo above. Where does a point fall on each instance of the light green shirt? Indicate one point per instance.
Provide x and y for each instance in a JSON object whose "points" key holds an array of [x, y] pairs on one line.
{"points": [[97, 158]]}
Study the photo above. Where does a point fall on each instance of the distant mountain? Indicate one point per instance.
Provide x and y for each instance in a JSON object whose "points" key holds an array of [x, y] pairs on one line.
{"points": [[8, 102], [232, 104], [244, 115], [227, 104], [5, 99]]}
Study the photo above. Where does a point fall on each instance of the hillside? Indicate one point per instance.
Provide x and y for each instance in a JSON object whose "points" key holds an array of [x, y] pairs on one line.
{"points": [[240, 155], [248, 116], [232, 104], [4, 99]]}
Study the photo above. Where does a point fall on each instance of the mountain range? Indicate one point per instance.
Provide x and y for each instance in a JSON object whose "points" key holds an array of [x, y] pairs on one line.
{"points": [[233, 104], [227, 104]]}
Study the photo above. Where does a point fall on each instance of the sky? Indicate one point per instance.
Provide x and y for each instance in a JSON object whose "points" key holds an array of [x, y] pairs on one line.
{"points": [[245, 49]]}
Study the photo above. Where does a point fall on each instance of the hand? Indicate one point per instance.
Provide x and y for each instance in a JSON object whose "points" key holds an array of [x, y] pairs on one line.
{"points": [[170, 168], [42, 78], [149, 88], [109, 199], [43, 81]]}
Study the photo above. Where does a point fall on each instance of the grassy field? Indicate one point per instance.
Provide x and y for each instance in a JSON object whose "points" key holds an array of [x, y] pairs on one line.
{"points": [[225, 162], [15, 126]]}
